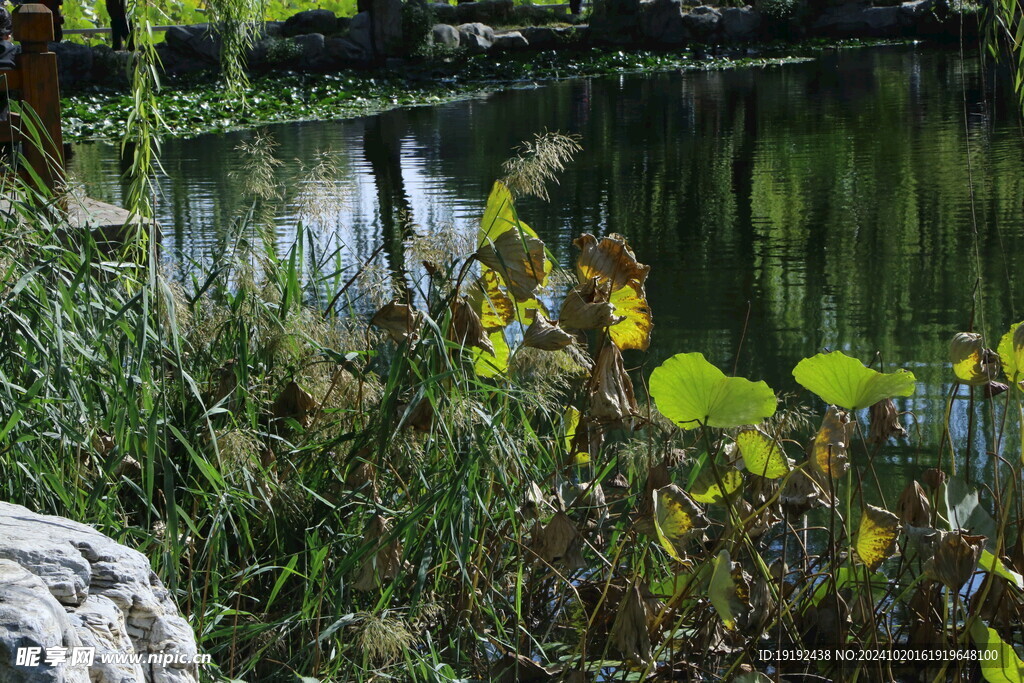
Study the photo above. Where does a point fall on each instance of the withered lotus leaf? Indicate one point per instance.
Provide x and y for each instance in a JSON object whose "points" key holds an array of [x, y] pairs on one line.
{"points": [[519, 259], [884, 422], [490, 302], [629, 633], [294, 403], [972, 363], [383, 563], [677, 519], [466, 328], [913, 507], [586, 307], [610, 259], [610, 388], [876, 537], [802, 492], [633, 330], [955, 559], [828, 452], [400, 321], [545, 335], [558, 542]]}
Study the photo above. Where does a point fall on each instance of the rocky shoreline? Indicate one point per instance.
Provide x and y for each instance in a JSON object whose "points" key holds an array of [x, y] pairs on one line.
{"points": [[387, 34]]}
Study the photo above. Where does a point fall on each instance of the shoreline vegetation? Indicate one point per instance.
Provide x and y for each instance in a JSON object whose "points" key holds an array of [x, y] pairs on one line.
{"points": [[197, 104]]}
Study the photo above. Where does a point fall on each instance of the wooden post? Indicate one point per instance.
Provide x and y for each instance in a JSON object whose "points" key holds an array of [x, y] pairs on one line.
{"points": [[33, 28]]}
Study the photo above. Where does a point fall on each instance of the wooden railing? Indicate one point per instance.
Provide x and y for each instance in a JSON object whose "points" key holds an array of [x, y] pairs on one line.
{"points": [[33, 82]]}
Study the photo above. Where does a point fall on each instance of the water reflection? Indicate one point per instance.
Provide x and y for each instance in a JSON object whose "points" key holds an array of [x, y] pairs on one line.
{"points": [[824, 204]]}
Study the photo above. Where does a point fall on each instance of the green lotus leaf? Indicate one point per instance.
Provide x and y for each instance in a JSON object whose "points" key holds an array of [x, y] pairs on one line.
{"points": [[999, 663], [690, 391], [722, 591], [848, 383], [707, 489], [1011, 352], [762, 455]]}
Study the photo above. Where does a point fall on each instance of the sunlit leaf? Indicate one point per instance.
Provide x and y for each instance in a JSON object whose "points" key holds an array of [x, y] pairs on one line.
{"points": [[610, 260], [690, 391], [572, 422], [499, 216], [994, 565], [828, 452], [1011, 352], [494, 307], [489, 364], [676, 519], [848, 383], [999, 662], [707, 489], [876, 538], [634, 330], [762, 455], [722, 590], [970, 365], [848, 577]]}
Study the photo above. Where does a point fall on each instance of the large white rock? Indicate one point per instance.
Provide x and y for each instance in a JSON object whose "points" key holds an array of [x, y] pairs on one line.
{"points": [[64, 584]]}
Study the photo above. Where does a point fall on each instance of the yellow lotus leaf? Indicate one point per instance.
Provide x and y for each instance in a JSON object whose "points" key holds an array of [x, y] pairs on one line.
{"points": [[634, 330], [400, 321], [490, 302], [610, 388], [677, 518], [709, 489], [762, 455], [972, 363], [609, 260], [542, 334], [494, 362], [571, 420], [828, 452], [500, 216], [466, 328], [722, 591], [1011, 352], [586, 307], [519, 259], [526, 310], [876, 538]]}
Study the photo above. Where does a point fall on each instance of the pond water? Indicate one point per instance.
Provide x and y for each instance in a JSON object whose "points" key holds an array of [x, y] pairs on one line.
{"points": [[847, 202]]}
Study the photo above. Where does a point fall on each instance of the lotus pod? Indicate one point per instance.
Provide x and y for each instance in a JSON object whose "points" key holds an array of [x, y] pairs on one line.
{"points": [[610, 389], [542, 334], [955, 559], [913, 507], [884, 421], [519, 259], [933, 478], [400, 321], [610, 259], [586, 307], [466, 328], [973, 364]]}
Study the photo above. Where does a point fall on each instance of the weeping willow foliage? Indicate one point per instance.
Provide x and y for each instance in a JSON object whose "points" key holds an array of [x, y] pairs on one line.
{"points": [[238, 23]]}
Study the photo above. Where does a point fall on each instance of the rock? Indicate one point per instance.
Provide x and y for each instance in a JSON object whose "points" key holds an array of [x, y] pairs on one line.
{"points": [[661, 22], [112, 68], [476, 38], [387, 27], [65, 584], [858, 20], [273, 29], [702, 22], [341, 51], [310, 22], [195, 41], [615, 22], [311, 50], [741, 23], [445, 35], [74, 63], [540, 37], [30, 617], [359, 32], [444, 13], [510, 40]]}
